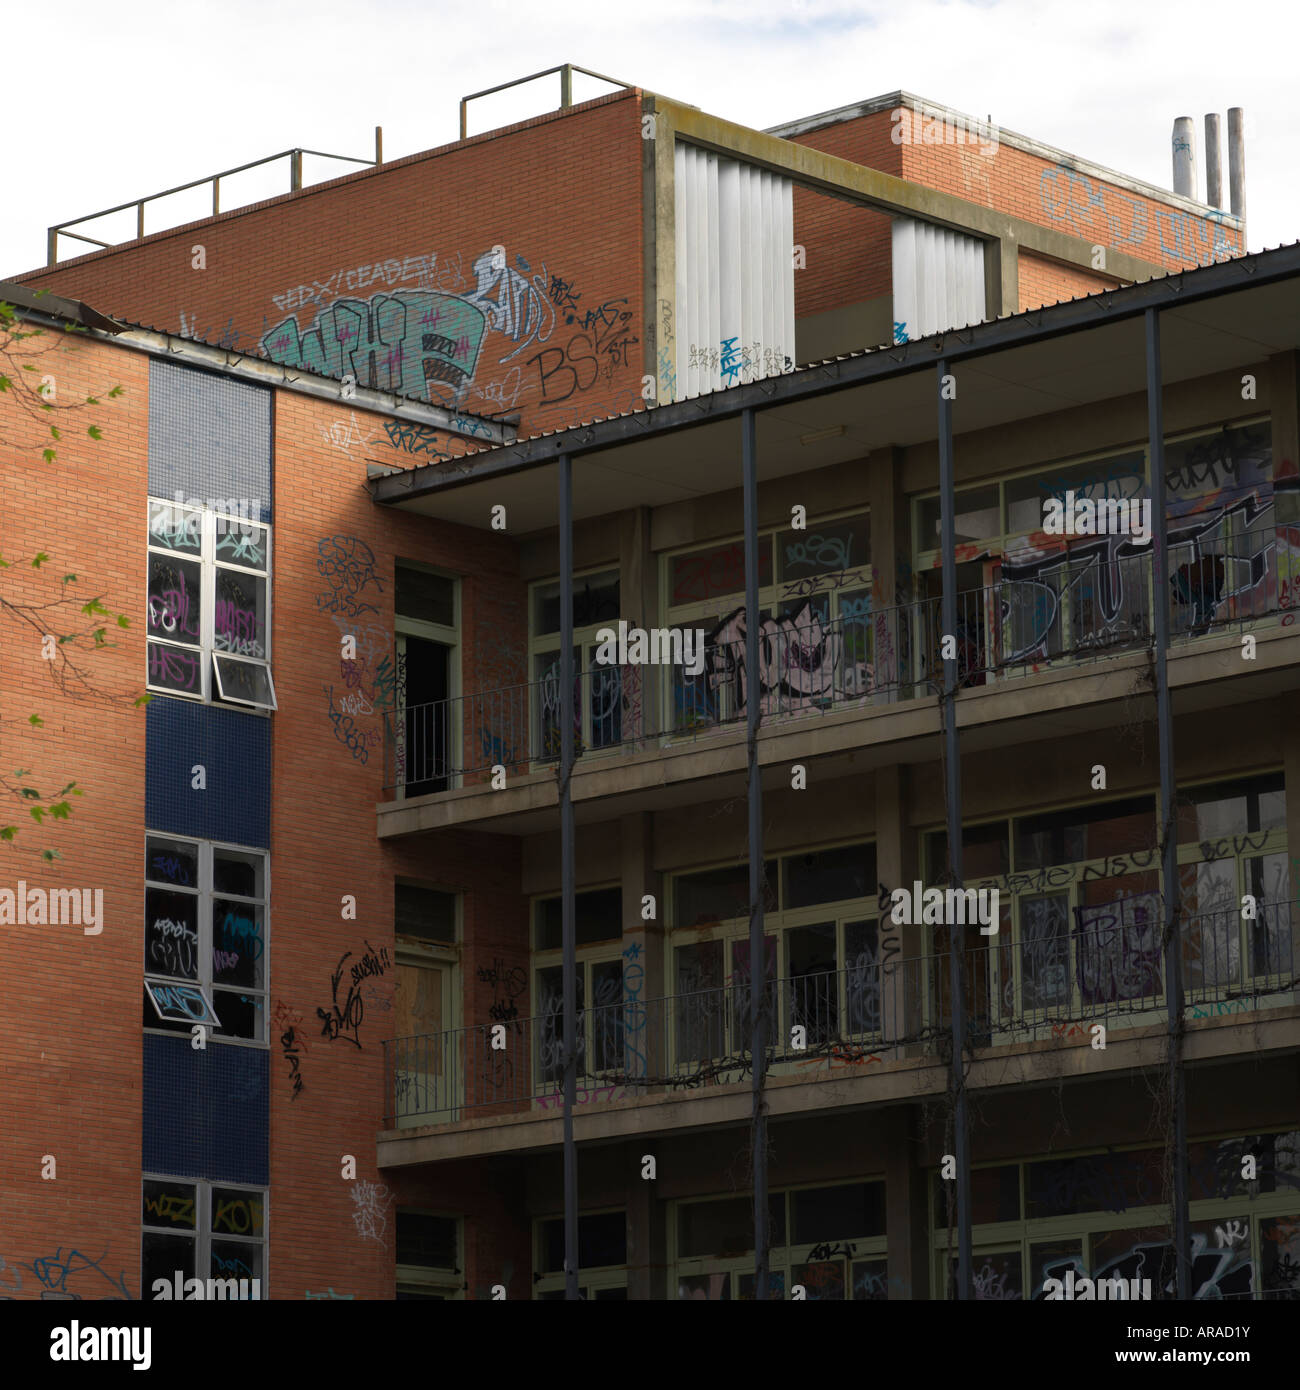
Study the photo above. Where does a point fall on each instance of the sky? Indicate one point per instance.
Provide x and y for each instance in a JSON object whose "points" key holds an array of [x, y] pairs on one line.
{"points": [[117, 102]]}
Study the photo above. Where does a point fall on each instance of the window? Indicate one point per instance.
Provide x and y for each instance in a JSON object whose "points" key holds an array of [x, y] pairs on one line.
{"points": [[428, 1256], [1100, 1215], [829, 1239], [823, 967], [428, 1067], [205, 938], [602, 1257], [209, 620], [598, 923], [202, 1231], [600, 697], [814, 607]]}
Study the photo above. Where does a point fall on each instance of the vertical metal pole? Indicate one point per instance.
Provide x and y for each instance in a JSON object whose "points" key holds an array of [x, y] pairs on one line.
{"points": [[139, 220], [566, 85], [757, 955], [52, 246], [952, 760], [295, 170], [1168, 804], [379, 144], [568, 940]]}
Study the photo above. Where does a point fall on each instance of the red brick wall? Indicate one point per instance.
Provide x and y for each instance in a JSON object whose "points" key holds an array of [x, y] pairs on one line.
{"points": [[561, 194], [1048, 282], [70, 1040]]}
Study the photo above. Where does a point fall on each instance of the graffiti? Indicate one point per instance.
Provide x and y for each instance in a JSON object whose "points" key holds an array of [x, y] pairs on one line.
{"points": [[514, 305], [990, 1284], [1216, 1273], [229, 337], [54, 1272], [801, 663], [390, 272], [345, 435], [329, 1294], [820, 550], [583, 1095], [826, 1251], [411, 342], [508, 983], [634, 1011], [1059, 875], [564, 364], [415, 439], [347, 565], [288, 1043], [370, 1203], [169, 1209], [342, 1022], [1118, 949], [285, 1017], [495, 750]]}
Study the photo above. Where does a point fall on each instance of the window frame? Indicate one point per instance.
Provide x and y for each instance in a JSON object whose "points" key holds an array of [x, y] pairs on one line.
{"points": [[210, 564], [420, 1279], [591, 1279], [206, 894], [426, 630], [202, 1234]]}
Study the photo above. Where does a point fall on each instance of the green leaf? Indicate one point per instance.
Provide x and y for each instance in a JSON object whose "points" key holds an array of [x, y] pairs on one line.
{"points": [[95, 432], [48, 455], [28, 367], [54, 432], [8, 832], [39, 559], [30, 793], [69, 578], [50, 855], [141, 700], [99, 636], [90, 400], [36, 721], [93, 607], [37, 813], [60, 810], [5, 383], [116, 391], [123, 620]]}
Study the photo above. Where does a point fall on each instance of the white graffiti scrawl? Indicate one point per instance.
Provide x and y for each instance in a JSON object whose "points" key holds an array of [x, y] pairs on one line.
{"points": [[370, 1203]]}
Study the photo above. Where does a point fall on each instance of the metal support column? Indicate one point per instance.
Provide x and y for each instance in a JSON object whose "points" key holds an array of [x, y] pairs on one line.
{"points": [[952, 761], [1168, 805], [568, 940], [757, 954]]}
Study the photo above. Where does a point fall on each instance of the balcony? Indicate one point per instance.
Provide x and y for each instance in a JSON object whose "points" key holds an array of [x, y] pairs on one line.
{"points": [[857, 1022], [1071, 613]]}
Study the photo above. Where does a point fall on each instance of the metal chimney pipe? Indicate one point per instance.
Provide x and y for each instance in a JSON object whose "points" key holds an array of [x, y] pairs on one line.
{"points": [[1214, 161], [1184, 149], [1237, 163]]}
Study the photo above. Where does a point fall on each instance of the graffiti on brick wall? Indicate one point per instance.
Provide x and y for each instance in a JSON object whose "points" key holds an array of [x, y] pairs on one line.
{"points": [[64, 1276], [370, 1204], [475, 343], [343, 1019], [1103, 214]]}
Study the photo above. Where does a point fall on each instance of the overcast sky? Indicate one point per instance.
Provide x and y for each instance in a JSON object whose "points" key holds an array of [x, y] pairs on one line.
{"points": [[112, 102]]}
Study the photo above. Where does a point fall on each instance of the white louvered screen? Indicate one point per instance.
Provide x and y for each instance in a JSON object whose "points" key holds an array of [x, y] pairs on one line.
{"points": [[938, 279], [735, 272]]}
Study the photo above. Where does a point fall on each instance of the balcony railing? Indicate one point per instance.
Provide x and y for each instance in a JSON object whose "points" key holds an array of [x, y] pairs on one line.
{"points": [[1109, 970], [1071, 609]]}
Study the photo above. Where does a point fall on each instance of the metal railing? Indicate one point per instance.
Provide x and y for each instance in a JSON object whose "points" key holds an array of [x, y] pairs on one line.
{"points": [[294, 157], [1107, 970], [566, 71], [1071, 610]]}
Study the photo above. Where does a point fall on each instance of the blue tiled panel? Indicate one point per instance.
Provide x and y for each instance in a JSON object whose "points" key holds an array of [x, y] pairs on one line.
{"points": [[209, 437], [205, 1110], [235, 751]]}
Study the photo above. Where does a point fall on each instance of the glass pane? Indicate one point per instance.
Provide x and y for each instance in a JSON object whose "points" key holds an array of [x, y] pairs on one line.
{"points": [[1229, 817], [171, 933], [174, 607], [426, 1240], [595, 600], [162, 1258], [834, 1214], [602, 1242], [862, 978], [234, 871], [550, 1024], [597, 916], [605, 1017], [985, 849], [242, 543], [175, 668], [719, 895], [995, 1196], [606, 696], [829, 875], [827, 548], [812, 983], [240, 1014], [1084, 833], [1279, 1248], [238, 943], [168, 1203], [715, 571], [428, 597], [239, 621], [547, 701], [1142, 1253], [1270, 934], [742, 1012], [244, 682], [698, 701], [171, 861], [724, 1229], [979, 516], [424, 913], [870, 1280], [1093, 1182], [176, 528], [706, 1287], [996, 1277], [699, 1006], [1045, 951], [1118, 949], [236, 1260], [1053, 1259], [236, 1212], [775, 1286], [1120, 478]]}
